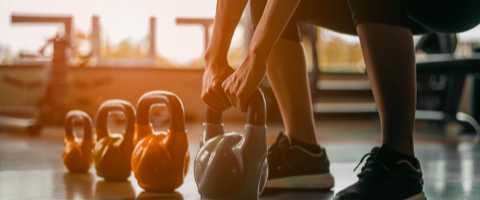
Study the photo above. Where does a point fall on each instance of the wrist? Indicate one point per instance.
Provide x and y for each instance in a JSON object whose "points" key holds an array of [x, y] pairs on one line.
{"points": [[257, 54], [215, 57]]}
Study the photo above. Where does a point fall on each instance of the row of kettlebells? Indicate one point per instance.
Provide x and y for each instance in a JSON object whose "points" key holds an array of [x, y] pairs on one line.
{"points": [[159, 160], [228, 166]]}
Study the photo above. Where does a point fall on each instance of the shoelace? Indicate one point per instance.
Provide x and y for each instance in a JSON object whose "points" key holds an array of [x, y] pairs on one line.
{"points": [[370, 157], [371, 166], [361, 160]]}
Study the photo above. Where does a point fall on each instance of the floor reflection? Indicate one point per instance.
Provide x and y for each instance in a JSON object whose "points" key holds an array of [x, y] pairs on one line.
{"points": [[29, 171], [78, 185], [84, 186], [160, 196], [455, 174], [113, 189]]}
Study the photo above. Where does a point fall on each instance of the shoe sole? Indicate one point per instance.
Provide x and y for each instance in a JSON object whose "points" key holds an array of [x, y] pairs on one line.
{"points": [[420, 196], [319, 181]]}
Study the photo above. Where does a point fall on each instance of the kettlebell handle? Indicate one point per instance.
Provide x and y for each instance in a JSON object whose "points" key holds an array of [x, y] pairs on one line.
{"points": [[115, 105], [173, 103], [212, 117], [256, 114], [78, 115]]}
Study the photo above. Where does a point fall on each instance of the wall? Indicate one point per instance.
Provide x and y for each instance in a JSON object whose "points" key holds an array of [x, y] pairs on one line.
{"points": [[89, 87]]}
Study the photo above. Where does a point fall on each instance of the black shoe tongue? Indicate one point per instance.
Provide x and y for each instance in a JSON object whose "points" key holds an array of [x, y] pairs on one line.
{"points": [[374, 150], [386, 155], [283, 140]]}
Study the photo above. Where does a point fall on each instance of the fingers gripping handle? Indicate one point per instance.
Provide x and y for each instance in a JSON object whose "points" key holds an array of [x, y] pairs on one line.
{"points": [[78, 115], [256, 114], [173, 103], [213, 118], [115, 105], [213, 125]]}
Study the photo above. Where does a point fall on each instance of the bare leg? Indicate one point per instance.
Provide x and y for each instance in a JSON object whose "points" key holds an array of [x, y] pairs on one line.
{"points": [[390, 59], [287, 73]]}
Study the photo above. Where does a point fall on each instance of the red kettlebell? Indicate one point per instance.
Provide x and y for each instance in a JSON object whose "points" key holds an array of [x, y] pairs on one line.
{"points": [[77, 153], [160, 160], [113, 151]]}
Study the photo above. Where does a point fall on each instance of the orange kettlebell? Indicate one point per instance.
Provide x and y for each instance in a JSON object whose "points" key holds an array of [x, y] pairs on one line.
{"points": [[160, 160], [112, 152], [77, 153]]}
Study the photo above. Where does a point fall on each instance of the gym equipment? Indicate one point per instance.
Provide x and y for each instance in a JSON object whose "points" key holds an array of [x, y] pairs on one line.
{"points": [[23, 119], [233, 166], [77, 153], [204, 22], [160, 159], [440, 82], [475, 88], [112, 152], [53, 106]]}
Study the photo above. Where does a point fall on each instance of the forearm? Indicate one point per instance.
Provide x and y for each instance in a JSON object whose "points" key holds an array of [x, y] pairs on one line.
{"points": [[227, 17], [274, 20]]}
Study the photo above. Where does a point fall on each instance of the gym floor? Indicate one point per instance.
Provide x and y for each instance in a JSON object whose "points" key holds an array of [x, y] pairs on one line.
{"points": [[32, 167]]}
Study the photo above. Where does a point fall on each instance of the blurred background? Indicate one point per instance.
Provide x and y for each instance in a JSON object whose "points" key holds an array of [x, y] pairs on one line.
{"points": [[59, 55]]}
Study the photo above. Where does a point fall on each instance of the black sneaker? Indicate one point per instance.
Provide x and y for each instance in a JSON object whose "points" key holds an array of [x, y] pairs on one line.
{"points": [[386, 175], [294, 167]]}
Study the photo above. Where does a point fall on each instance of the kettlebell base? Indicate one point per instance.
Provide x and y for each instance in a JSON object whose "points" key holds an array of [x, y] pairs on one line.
{"points": [[78, 171], [236, 197], [159, 190], [112, 177], [116, 179]]}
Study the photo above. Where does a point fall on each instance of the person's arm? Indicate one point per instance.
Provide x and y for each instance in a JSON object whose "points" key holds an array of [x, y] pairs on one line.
{"points": [[242, 83], [227, 17], [275, 18]]}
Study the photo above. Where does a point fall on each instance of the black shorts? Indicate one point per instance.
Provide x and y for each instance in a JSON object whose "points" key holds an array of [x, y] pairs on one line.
{"points": [[421, 16]]}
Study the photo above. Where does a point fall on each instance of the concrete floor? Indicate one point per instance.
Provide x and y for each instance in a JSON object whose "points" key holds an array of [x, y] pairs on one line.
{"points": [[32, 168]]}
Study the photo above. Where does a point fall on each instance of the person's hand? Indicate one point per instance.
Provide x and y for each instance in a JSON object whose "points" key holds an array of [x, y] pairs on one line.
{"points": [[244, 81], [212, 91]]}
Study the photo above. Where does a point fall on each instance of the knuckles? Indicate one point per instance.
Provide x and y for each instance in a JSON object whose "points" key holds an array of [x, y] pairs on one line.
{"points": [[215, 85]]}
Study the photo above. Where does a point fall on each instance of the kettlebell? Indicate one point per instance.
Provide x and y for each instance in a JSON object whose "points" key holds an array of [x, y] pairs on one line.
{"points": [[113, 151], [160, 159], [77, 153], [233, 166]]}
